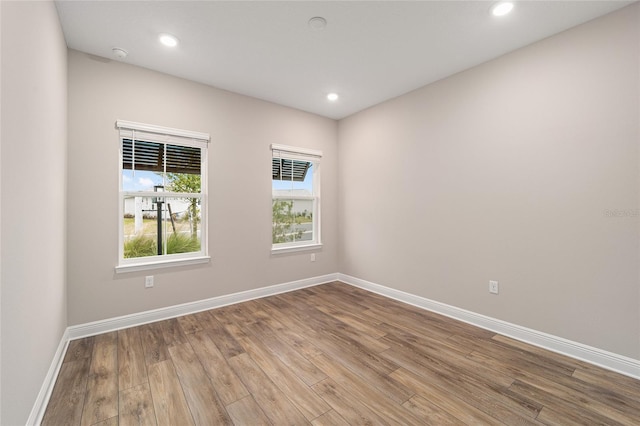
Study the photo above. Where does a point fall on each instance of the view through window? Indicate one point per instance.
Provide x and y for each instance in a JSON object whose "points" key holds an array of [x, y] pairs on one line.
{"points": [[295, 197], [162, 197]]}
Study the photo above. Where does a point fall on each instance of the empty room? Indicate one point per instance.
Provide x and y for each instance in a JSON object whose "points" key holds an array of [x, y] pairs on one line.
{"points": [[319, 212]]}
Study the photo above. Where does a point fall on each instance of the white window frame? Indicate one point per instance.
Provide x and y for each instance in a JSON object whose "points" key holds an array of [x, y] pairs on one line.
{"points": [[313, 156], [166, 136]]}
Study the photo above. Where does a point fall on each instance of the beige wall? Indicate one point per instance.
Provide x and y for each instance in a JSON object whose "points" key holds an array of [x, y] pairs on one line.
{"points": [[33, 200], [501, 172], [505, 172], [242, 129]]}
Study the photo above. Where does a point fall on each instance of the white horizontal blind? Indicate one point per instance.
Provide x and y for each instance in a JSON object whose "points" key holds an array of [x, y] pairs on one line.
{"points": [[290, 163], [294, 153], [152, 133]]}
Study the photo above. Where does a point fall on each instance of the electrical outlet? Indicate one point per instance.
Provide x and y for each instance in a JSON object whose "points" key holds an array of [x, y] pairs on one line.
{"points": [[493, 287], [313, 257], [148, 281]]}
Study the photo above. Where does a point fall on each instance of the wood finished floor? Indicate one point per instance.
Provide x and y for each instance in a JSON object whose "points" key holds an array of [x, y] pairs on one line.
{"points": [[328, 355]]}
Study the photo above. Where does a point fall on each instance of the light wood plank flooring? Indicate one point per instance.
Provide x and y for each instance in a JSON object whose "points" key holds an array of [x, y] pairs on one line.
{"points": [[328, 355]]}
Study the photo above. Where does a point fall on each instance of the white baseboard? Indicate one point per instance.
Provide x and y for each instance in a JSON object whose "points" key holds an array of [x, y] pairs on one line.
{"points": [[126, 321], [611, 361], [37, 412], [608, 360]]}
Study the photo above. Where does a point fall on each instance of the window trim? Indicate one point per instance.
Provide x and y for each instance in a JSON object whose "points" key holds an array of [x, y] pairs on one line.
{"points": [[167, 136], [297, 248], [165, 263], [314, 156]]}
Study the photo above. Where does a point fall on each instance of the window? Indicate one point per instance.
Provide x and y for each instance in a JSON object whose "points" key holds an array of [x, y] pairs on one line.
{"points": [[295, 174], [162, 196]]}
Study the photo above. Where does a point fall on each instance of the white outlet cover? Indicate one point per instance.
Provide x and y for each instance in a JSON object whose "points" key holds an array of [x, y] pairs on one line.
{"points": [[493, 287]]}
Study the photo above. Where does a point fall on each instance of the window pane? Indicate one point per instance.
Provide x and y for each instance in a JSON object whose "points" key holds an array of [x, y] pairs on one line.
{"points": [[292, 221], [286, 169], [157, 226], [144, 164], [304, 187], [183, 160], [140, 180], [142, 155], [183, 182], [140, 227], [182, 225], [290, 187]]}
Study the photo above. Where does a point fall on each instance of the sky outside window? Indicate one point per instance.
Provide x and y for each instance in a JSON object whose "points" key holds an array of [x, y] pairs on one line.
{"points": [[307, 184], [141, 180]]}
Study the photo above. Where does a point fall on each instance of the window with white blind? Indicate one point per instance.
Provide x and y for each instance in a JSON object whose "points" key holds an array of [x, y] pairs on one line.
{"points": [[163, 193], [295, 177]]}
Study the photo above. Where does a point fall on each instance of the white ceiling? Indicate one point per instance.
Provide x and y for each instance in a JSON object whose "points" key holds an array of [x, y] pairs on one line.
{"points": [[369, 51]]}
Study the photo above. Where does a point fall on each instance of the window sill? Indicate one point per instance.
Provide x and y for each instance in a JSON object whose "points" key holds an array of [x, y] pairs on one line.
{"points": [[283, 250], [161, 264]]}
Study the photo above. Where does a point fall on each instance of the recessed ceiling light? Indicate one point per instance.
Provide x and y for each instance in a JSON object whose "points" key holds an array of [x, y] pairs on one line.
{"points": [[168, 40], [332, 97], [502, 8], [317, 23]]}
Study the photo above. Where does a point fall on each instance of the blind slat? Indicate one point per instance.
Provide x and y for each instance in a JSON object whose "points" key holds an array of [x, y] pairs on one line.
{"points": [[290, 163], [150, 155]]}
